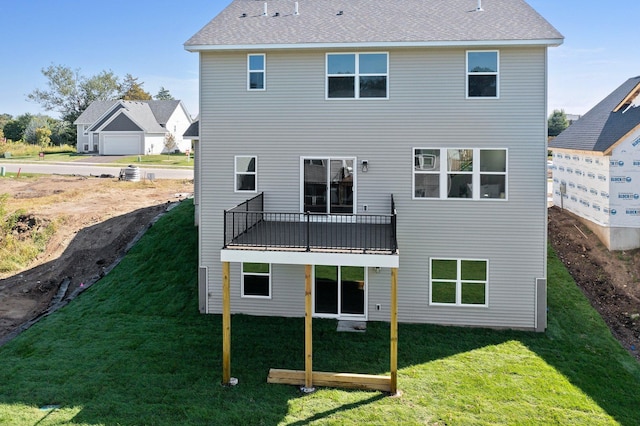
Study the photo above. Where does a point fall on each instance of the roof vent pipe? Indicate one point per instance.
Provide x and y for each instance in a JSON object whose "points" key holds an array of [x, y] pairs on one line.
{"points": [[478, 9], [296, 11], [265, 9]]}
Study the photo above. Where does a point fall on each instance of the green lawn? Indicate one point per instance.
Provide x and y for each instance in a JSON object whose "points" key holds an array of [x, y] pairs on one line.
{"points": [[133, 350], [158, 160]]}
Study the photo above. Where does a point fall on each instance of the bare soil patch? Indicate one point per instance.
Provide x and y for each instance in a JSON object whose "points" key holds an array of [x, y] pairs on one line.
{"points": [[96, 219], [610, 280]]}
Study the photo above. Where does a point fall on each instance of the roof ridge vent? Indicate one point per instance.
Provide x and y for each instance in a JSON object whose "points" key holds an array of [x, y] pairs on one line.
{"points": [[479, 8]]}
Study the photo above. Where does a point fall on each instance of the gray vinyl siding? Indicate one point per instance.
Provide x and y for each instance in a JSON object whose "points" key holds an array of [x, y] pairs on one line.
{"points": [[426, 108]]}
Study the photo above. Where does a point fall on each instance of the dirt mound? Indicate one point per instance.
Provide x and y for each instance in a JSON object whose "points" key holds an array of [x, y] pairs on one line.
{"points": [[95, 222], [26, 225], [610, 280]]}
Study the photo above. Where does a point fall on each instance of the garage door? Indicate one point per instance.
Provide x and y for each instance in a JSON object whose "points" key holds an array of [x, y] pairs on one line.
{"points": [[121, 145]]}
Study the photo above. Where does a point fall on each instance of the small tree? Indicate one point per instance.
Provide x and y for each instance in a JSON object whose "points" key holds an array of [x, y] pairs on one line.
{"points": [[132, 90], [163, 95], [170, 143], [43, 136], [557, 122], [36, 122]]}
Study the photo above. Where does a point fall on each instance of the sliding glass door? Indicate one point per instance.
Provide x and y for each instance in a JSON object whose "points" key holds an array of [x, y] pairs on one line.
{"points": [[340, 291], [328, 185]]}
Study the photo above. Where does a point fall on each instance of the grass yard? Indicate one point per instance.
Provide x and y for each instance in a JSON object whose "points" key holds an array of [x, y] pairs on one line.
{"points": [[133, 349], [179, 159]]}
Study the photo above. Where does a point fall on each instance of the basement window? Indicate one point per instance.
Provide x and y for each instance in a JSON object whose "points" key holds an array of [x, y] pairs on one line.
{"points": [[256, 280], [459, 282]]}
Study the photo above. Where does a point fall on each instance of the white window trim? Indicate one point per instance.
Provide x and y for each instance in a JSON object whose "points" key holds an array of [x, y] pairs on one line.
{"points": [[355, 76], [458, 282], [260, 274], [467, 74], [263, 71], [236, 173], [444, 172]]}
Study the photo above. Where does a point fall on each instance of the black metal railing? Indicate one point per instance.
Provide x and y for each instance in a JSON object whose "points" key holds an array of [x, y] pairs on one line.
{"points": [[248, 226]]}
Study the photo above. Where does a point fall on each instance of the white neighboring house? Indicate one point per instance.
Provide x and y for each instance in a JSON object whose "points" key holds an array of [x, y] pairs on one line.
{"points": [[132, 127], [596, 168]]}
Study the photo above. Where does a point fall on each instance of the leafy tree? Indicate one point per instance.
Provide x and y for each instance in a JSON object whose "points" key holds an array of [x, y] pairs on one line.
{"points": [[132, 90], [43, 136], [36, 122], [4, 119], [70, 93], [61, 132], [163, 95], [14, 129], [557, 122]]}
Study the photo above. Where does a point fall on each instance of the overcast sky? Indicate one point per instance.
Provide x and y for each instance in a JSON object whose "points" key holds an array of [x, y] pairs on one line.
{"points": [[145, 38]]}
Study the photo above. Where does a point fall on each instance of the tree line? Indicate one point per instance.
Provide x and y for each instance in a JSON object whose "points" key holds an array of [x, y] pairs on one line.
{"points": [[69, 93]]}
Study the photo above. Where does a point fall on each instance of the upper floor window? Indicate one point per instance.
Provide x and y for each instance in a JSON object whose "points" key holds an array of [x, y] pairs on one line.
{"points": [[256, 71], [246, 173], [482, 74], [461, 282], [445, 173], [357, 75]]}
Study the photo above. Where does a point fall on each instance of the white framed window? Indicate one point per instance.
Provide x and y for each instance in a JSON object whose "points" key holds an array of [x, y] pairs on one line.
{"points": [[483, 73], [357, 75], [256, 280], [458, 282], [246, 173], [460, 173], [256, 71]]}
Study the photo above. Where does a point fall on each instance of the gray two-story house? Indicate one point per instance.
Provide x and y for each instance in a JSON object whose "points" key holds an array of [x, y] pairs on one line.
{"points": [[353, 138]]}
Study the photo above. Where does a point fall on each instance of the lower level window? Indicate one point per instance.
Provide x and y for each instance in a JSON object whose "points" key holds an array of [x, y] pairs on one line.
{"points": [[256, 280], [458, 282]]}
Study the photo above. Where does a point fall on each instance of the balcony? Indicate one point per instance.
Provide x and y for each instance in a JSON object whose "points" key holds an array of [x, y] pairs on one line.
{"points": [[248, 227]]}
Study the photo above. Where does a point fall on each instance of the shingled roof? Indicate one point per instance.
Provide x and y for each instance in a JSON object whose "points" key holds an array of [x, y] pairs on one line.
{"points": [[151, 114], [321, 23], [606, 123]]}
